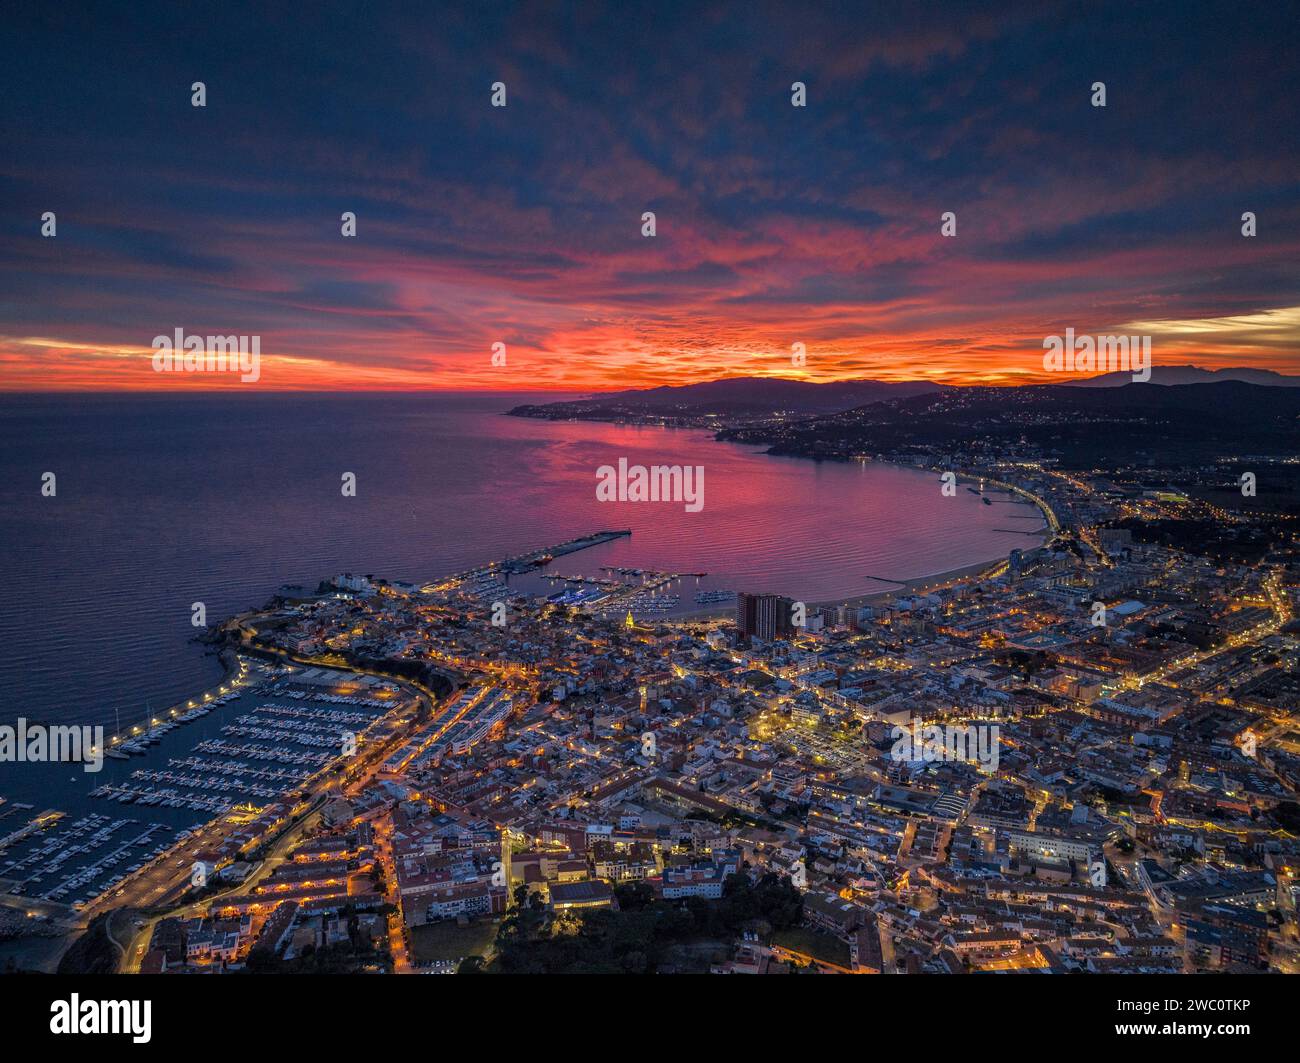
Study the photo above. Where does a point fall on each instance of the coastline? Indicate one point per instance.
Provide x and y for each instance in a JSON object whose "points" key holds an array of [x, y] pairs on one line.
{"points": [[916, 585], [923, 583]]}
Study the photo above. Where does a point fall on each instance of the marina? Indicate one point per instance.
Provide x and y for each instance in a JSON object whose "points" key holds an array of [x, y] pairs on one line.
{"points": [[643, 592], [151, 730], [90, 856], [242, 750]]}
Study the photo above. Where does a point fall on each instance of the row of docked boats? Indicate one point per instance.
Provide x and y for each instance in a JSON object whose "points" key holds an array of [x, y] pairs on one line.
{"points": [[705, 597], [139, 744], [168, 796], [85, 859]]}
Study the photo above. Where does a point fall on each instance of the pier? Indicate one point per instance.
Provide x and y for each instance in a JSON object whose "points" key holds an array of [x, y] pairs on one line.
{"points": [[539, 558], [527, 562]]}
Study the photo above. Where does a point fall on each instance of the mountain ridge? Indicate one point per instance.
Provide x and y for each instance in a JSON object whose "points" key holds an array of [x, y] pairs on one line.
{"points": [[765, 397]]}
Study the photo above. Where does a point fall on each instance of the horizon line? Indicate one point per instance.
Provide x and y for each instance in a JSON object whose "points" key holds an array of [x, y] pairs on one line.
{"points": [[236, 387]]}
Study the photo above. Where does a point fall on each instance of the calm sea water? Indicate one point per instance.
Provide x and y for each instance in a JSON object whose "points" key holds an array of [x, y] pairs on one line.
{"points": [[164, 501]]}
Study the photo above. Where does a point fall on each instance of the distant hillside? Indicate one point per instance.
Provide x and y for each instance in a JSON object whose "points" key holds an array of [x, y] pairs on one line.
{"points": [[1081, 426], [1190, 374], [734, 398]]}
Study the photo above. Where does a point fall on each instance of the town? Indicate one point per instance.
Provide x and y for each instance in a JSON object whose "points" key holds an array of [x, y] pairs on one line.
{"points": [[582, 788]]}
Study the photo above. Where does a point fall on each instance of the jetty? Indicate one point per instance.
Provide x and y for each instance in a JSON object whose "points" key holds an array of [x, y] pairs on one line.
{"points": [[543, 557], [534, 559]]}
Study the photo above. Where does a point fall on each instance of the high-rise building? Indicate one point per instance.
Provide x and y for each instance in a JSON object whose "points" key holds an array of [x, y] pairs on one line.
{"points": [[763, 616], [1015, 564]]}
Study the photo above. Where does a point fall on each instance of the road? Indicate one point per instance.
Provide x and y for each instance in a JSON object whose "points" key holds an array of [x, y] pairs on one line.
{"points": [[397, 940]]}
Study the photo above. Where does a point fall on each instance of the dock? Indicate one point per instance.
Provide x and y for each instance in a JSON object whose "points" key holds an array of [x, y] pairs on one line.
{"points": [[534, 559], [539, 558]]}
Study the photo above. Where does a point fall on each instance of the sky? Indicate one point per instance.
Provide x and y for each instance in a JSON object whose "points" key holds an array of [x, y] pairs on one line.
{"points": [[522, 224]]}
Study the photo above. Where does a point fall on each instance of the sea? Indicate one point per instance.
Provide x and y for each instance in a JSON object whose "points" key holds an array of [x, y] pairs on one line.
{"points": [[160, 502]]}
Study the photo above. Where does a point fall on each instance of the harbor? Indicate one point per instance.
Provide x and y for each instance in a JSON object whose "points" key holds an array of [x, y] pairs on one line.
{"points": [[617, 591], [503, 569], [228, 753], [539, 558], [153, 726]]}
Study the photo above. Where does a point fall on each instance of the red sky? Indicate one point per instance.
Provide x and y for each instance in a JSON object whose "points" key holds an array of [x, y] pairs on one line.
{"points": [[776, 225]]}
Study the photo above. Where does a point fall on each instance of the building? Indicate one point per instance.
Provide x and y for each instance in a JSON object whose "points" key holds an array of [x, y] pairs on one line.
{"points": [[1040, 845], [763, 616], [590, 894], [1218, 947], [864, 949], [832, 913]]}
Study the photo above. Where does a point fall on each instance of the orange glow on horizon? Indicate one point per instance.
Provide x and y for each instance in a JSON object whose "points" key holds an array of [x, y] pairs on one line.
{"points": [[600, 363]]}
